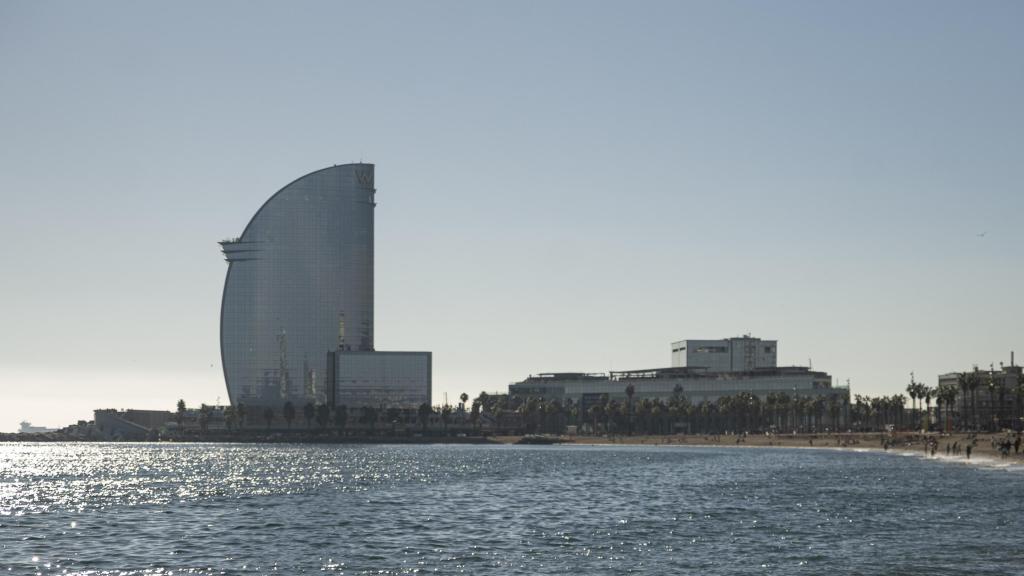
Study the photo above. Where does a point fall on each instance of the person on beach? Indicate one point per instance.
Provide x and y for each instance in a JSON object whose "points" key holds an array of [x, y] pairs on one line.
{"points": [[1016, 445], [968, 451]]}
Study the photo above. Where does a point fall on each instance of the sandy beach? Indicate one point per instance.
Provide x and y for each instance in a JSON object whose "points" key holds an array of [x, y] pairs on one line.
{"points": [[981, 444]]}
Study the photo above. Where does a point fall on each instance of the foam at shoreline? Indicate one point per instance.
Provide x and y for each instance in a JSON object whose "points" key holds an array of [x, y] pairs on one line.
{"points": [[976, 460]]}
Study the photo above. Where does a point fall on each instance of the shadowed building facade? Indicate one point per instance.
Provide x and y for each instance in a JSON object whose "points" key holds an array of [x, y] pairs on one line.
{"points": [[299, 288]]}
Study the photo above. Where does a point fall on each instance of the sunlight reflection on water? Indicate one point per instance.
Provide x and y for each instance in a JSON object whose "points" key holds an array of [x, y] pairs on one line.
{"points": [[197, 509]]}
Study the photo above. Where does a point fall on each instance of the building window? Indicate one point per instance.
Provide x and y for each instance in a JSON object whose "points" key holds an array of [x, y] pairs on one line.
{"points": [[712, 350]]}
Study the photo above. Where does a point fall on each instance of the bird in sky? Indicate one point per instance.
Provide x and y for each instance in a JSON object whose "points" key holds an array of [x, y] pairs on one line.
{"points": [[982, 235]]}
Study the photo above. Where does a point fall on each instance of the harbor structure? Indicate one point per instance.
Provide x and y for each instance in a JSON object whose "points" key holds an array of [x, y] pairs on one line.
{"points": [[298, 300]]}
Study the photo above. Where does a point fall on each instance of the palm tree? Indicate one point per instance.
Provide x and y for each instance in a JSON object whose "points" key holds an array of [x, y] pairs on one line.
{"points": [[323, 414], [180, 415], [783, 404], [552, 411], [463, 398], [308, 413], [898, 401], [369, 416], [446, 416], [912, 389], [928, 393], [677, 395], [947, 394], [678, 405], [289, 413], [940, 399], [1018, 393], [474, 415], [833, 410], [878, 406], [630, 390], [973, 382], [229, 418], [1001, 386], [268, 415], [820, 405], [341, 418], [990, 383], [704, 411], [595, 412], [644, 412], [963, 380], [612, 414], [424, 412], [204, 417]]}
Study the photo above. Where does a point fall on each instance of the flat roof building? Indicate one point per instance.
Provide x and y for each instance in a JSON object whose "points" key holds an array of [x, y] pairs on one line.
{"points": [[740, 354], [713, 369], [393, 379], [697, 385]]}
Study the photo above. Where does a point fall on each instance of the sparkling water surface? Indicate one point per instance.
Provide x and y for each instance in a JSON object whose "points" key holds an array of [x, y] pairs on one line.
{"points": [[453, 509]]}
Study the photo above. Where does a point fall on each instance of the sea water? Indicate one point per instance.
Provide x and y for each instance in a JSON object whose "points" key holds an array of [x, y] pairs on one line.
{"points": [[460, 509]]}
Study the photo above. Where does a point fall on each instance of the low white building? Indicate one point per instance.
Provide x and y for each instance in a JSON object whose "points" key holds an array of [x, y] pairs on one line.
{"points": [[697, 385]]}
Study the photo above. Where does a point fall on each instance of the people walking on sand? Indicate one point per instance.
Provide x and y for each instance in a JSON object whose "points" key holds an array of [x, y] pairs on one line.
{"points": [[1016, 445], [968, 451]]}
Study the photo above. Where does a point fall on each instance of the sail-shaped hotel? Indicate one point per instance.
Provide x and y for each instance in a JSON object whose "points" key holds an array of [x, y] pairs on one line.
{"points": [[297, 311]]}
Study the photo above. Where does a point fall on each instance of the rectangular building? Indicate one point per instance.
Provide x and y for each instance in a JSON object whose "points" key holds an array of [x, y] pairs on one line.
{"points": [[742, 354], [993, 404], [380, 379], [661, 383]]}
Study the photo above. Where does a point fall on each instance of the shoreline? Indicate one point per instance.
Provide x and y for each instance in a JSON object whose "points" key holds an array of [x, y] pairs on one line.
{"points": [[908, 443]]}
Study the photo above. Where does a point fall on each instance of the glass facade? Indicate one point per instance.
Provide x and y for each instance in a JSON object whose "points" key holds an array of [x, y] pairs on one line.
{"points": [[299, 285], [390, 379]]}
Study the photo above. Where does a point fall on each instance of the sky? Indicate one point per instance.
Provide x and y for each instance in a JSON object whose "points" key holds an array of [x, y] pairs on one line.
{"points": [[561, 186]]}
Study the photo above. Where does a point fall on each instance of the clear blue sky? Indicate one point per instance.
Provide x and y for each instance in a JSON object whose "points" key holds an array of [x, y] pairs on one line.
{"points": [[561, 185]]}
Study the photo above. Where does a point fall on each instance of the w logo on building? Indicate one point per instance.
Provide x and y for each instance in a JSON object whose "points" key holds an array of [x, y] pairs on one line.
{"points": [[364, 177]]}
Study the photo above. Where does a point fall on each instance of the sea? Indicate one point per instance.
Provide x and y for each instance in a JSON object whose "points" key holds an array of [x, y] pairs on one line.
{"points": [[129, 509]]}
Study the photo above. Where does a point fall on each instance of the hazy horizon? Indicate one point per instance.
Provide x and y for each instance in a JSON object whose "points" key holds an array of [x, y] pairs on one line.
{"points": [[563, 186]]}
